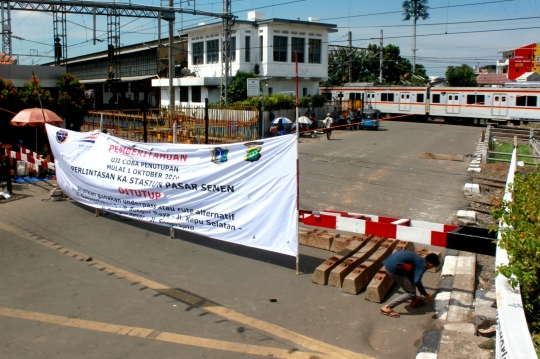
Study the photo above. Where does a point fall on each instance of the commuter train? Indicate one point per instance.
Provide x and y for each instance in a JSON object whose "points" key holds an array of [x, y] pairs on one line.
{"points": [[469, 105]]}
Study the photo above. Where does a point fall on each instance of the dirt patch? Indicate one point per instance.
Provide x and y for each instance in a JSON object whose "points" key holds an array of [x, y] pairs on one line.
{"points": [[500, 170], [485, 272]]}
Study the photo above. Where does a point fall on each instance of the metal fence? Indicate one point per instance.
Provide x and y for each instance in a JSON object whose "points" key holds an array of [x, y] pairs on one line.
{"points": [[225, 125], [529, 137]]}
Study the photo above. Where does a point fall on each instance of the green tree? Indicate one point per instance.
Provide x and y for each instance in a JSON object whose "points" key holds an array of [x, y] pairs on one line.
{"points": [[366, 67], [521, 241], [460, 76], [33, 93], [237, 90], [415, 9], [10, 104], [73, 103]]}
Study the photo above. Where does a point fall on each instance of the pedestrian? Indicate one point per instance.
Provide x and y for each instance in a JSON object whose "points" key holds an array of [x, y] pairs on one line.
{"points": [[335, 114], [328, 125], [407, 268]]}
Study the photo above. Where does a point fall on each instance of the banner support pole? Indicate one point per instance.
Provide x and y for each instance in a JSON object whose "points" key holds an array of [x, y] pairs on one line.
{"points": [[297, 174], [172, 233]]}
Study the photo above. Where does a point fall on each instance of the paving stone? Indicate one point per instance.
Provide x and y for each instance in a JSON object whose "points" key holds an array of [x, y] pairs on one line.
{"points": [[321, 273], [359, 278], [458, 345], [338, 274]]}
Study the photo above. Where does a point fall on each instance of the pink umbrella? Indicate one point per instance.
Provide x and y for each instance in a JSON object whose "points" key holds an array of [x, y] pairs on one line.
{"points": [[35, 117]]}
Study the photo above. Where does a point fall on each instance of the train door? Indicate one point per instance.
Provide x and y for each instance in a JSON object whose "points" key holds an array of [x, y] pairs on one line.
{"points": [[404, 101], [500, 105], [452, 103]]}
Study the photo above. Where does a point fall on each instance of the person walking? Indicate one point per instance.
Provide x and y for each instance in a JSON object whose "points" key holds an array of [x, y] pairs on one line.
{"points": [[407, 268], [328, 125]]}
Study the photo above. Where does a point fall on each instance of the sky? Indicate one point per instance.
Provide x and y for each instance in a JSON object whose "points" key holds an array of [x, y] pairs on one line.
{"points": [[472, 32]]}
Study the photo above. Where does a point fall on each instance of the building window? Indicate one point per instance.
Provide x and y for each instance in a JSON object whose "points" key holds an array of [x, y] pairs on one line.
{"points": [[280, 48], [436, 98], [419, 97], [270, 91], [261, 42], [195, 93], [298, 44], [529, 101], [314, 51], [304, 91], [232, 48], [184, 96], [388, 97], [248, 49], [212, 51], [197, 53], [476, 99]]}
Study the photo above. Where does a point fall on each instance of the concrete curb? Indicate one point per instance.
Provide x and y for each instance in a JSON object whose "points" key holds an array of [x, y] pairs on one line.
{"points": [[474, 166], [455, 305]]}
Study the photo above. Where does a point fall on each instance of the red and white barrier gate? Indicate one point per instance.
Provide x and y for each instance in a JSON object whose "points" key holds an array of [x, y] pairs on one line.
{"points": [[399, 228]]}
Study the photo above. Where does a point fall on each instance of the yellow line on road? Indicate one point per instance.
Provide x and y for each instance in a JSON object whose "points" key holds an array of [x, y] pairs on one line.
{"points": [[330, 351], [156, 335]]}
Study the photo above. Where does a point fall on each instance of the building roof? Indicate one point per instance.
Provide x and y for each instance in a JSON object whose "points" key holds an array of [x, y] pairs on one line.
{"points": [[5, 59], [491, 79], [264, 21]]}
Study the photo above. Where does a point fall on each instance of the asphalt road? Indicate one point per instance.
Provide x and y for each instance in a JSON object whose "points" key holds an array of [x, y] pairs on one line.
{"points": [[144, 295], [380, 172]]}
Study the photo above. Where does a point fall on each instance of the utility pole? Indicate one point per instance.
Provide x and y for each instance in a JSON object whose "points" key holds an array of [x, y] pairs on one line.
{"points": [[6, 28], [171, 61], [381, 57], [226, 72], [350, 57]]}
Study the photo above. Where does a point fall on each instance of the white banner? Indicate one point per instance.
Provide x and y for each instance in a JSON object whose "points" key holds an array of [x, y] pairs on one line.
{"points": [[243, 193]]}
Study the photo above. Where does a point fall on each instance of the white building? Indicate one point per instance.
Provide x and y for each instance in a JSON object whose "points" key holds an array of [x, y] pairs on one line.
{"points": [[267, 44]]}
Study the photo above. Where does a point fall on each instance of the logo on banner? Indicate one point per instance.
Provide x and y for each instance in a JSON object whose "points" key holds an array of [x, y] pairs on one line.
{"points": [[219, 155], [253, 151], [61, 136], [91, 138]]}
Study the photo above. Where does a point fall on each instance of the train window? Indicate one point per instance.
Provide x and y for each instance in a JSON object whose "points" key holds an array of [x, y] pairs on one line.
{"points": [[389, 97], [328, 96], [436, 98], [476, 99], [419, 97], [496, 98], [530, 101]]}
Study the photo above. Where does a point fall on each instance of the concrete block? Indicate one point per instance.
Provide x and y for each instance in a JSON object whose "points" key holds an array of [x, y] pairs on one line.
{"points": [[461, 327], [449, 267], [471, 188], [303, 235], [338, 274], [470, 215], [359, 278], [320, 275], [319, 238], [379, 286], [466, 264], [482, 304], [426, 356], [341, 242], [460, 307], [381, 283], [458, 345]]}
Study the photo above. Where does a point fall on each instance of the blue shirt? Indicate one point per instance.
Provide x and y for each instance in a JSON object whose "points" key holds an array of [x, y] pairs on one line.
{"points": [[409, 264]]}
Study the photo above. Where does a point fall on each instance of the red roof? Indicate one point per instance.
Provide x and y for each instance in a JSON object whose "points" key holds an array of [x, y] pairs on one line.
{"points": [[492, 79]]}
